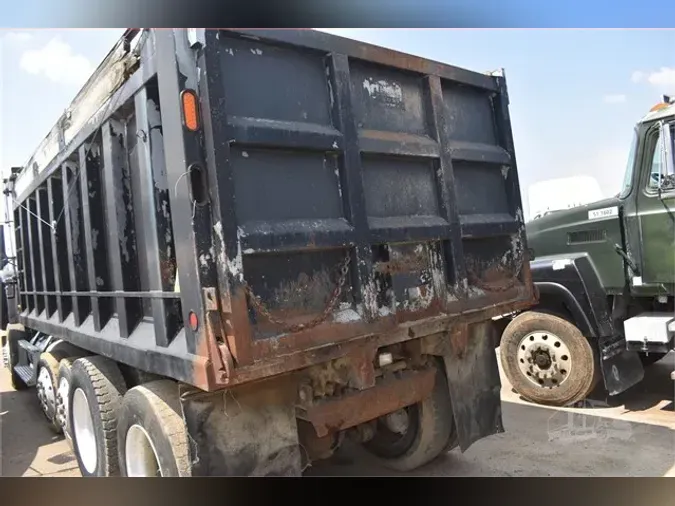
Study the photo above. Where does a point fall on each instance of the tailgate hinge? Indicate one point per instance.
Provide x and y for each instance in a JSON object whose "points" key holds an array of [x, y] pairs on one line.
{"points": [[217, 337]]}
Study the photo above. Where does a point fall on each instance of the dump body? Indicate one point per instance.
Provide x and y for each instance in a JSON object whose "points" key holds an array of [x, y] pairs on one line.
{"points": [[334, 196]]}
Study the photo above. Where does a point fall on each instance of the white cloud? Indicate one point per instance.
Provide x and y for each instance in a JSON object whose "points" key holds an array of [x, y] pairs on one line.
{"points": [[614, 99], [662, 79], [57, 62], [17, 37]]}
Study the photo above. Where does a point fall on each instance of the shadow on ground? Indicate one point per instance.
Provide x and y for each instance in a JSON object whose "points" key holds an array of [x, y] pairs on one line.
{"points": [[23, 431], [538, 442]]}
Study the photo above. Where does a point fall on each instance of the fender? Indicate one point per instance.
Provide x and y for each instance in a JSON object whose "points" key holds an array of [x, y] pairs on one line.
{"points": [[573, 281]]}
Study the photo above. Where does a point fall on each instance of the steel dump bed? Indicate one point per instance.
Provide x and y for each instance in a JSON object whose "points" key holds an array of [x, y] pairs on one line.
{"points": [[327, 195]]}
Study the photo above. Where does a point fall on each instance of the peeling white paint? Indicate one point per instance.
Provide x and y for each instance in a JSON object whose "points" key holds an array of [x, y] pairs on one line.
{"points": [[384, 311], [475, 293], [229, 51], [390, 91], [204, 260], [99, 281], [346, 315], [335, 145], [505, 171], [256, 51], [244, 154]]}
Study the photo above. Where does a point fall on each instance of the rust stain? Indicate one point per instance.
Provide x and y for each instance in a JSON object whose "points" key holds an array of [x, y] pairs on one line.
{"points": [[459, 338], [385, 397]]}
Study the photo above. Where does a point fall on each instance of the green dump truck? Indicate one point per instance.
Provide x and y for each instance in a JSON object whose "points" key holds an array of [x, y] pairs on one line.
{"points": [[605, 273]]}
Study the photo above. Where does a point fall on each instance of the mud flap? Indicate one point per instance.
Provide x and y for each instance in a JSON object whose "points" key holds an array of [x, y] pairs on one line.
{"points": [[473, 378], [248, 431], [621, 368]]}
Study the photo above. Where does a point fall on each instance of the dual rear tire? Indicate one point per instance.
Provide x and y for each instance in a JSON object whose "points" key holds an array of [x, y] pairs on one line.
{"points": [[139, 432]]}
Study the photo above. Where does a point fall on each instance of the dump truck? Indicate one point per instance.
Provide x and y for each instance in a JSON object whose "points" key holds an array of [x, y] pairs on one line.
{"points": [[605, 273], [236, 248]]}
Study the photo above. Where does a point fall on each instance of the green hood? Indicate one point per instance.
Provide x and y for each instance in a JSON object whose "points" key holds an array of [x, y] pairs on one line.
{"points": [[549, 235]]}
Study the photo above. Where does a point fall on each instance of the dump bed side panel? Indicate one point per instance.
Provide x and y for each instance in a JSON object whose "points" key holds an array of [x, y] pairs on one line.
{"points": [[325, 152]]}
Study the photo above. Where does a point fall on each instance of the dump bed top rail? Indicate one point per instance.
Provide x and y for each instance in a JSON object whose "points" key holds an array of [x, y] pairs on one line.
{"points": [[332, 194]]}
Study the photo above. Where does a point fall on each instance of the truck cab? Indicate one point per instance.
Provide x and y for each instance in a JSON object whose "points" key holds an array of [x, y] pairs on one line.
{"points": [[605, 273]]}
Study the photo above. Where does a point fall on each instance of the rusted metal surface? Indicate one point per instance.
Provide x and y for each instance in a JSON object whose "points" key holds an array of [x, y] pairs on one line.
{"points": [[385, 397], [315, 447], [342, 271], [313, 348]]}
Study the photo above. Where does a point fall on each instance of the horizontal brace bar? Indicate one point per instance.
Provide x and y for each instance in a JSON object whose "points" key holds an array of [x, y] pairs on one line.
{"points": [[296, 235], [283, 134], [394, 143], [478, 152], [116, 293], [488, 225], [408, 229]]}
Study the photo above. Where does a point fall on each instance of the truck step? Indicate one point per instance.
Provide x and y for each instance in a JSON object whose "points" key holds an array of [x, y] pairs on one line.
{"points": [[30, 348], [25, 372]]}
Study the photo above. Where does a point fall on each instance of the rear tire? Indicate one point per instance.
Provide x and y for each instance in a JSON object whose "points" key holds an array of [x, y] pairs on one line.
{"points": [[95, 397], [548, 360], [151, 434], [430, 431]]}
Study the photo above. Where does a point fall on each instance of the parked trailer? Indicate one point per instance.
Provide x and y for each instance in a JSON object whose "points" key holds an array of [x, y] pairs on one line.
{"points": [[238, 246]]}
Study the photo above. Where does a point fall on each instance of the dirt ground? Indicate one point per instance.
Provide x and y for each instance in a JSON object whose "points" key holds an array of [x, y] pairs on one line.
{"points": [[634, 436]]}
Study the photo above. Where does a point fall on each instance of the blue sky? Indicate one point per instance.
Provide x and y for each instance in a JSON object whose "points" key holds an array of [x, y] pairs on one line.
{"points": [[575, 94]]}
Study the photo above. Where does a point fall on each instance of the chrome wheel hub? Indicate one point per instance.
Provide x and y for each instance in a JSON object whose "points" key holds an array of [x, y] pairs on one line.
{"points": [[398, 421], [83, 431], [45, 392], [544, 359], [62, 404], [140, 455]]}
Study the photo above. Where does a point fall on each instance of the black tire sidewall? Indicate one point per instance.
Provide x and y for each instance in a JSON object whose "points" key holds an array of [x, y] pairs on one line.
{"points": [[435, 431], [582, 372], [80, 379], [137, 410]]}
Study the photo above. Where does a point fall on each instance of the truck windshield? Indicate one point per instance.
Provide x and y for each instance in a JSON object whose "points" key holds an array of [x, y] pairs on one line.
{"points": [[630, 165]]}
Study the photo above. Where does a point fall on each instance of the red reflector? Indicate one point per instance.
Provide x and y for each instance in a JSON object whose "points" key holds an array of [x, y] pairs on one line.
{"points": [[194, 321]]}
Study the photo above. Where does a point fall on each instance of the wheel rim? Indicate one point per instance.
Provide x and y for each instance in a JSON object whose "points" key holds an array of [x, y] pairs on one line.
{"points": [[83, 431], [140, 454], [544, 359], [45, 392], [61, 404]]}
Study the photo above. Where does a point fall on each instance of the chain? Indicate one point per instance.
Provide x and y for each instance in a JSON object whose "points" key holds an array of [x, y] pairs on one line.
{"points": [[343, 270], [479, 283]]}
